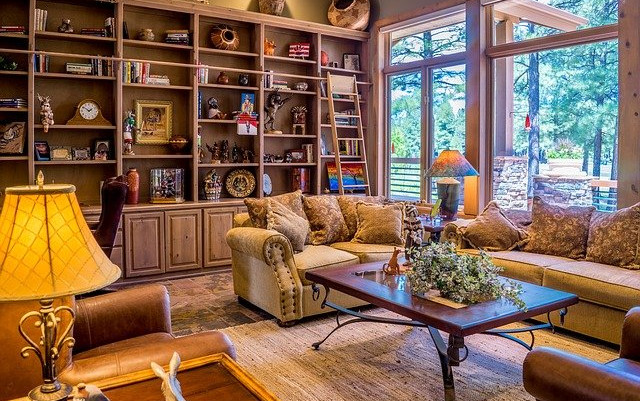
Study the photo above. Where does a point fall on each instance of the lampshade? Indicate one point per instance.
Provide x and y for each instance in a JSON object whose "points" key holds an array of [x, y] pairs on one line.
{"points": [[451, 163], [46, 248]]}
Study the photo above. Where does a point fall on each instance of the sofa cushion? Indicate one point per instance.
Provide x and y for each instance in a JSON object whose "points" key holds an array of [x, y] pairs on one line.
{"points": [[366, 252], [613, 238], [257, 208], [283, 220], [493, 231], [379, 224], [326, 220], [557, 230], [523, 266], [348, 206], [595, 282], [321, 256]]}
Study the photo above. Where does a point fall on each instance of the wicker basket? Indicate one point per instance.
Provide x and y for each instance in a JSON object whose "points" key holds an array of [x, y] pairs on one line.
{"points": [[351, 14], [273, 7]]}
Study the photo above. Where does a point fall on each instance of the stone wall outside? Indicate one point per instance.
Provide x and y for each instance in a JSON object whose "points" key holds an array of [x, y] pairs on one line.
{"points": [[573, 191], [510, 181]]}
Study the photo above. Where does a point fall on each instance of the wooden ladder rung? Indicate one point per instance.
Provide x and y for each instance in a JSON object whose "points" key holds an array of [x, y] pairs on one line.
{"points": [[356, 186], [354, 161], [351, 139], [345, 116], [344, 93]]}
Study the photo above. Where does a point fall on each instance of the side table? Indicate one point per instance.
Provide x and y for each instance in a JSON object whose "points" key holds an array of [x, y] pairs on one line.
{"points": [[434, 230]]}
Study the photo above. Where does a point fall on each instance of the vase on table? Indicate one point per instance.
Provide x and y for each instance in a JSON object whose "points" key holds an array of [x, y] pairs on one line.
{"points": [[133, 181], [351, 14]]}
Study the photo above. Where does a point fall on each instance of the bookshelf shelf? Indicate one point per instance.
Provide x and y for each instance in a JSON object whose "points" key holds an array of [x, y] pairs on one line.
{"points": [[73, 162], [73, 37], [342, 70], [227, 165], [291, 91], [59, 75], [13, 158], [230, 87], [291, 60], [21, 73], [149, 86], [78, 127], [211, 121], [155, 45], [295, 136], [157, 156], [13, 35], [230, 53], [289, 164], [14, 109]]}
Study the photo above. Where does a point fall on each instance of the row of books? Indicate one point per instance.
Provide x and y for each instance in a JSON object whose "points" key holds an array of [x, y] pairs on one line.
{"points": [[14, 103], [102, 67], [203, 75], [177, 37], [350, 148], [344, 120], [13, 29], [140, 73], [41, 62], [41, 19], [100, 32], [279, 84]]}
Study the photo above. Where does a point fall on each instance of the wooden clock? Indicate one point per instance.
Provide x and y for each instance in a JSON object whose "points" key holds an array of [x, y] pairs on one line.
{"points": [[88, 113]]}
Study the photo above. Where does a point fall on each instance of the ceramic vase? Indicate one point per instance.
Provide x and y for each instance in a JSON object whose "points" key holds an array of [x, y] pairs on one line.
{"points": [[133, 182], [324, 58], [224, 37], [351, 14], [273, 7], [223, 78]]}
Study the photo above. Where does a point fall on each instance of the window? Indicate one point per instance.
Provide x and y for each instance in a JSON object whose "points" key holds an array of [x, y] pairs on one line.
{"points": [[424, 44]]}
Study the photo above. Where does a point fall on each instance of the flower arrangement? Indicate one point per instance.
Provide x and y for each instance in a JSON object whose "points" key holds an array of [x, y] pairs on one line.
{"points": [[461, 278]]}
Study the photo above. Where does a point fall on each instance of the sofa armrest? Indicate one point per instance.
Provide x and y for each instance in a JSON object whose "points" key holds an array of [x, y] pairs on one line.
{"points": [[124, 314], [630, 344], [553, 375], [242, 220]]}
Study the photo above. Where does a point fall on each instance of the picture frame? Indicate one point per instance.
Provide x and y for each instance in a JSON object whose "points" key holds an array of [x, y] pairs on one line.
{"points": [[351, 61], [298, 155], [81, 153], [154, 121], [247, 103], [61, 153], [12, 138], [102, 149], [42, 151]]}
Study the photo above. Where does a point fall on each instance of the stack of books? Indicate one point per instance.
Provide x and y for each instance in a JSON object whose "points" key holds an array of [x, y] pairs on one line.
{"points": [[13, 103], [41, 20], [350, 148], [101, 32], [109, 26], [203, 75], [79, 68], [13, 29], [102, 67], [345, 120], [158, 80], [135, 72], [279, 84], [41, 63], [177, 37]]}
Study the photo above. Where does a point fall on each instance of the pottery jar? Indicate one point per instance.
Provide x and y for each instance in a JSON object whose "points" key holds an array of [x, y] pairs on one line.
{"points": [[133, 182]]}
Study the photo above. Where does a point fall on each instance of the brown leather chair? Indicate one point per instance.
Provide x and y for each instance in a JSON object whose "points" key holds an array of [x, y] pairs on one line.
{"points": [[114, 194], [554, 375], [116, 333]]}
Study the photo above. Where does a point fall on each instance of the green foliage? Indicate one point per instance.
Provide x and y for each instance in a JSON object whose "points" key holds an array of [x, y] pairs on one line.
{"points": [[462, 278], [565, 149]]}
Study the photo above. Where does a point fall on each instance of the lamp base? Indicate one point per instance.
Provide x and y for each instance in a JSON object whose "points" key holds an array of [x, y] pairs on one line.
{"points": [[37, 394], [449, 193]]}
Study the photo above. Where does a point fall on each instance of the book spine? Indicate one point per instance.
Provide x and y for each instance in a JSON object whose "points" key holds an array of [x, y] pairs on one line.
{"points": [[44, 19]]}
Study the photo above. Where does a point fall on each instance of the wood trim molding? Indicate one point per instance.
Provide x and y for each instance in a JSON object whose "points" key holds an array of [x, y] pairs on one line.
{"points": [[431, 8], [580, 37], [446, 60]]}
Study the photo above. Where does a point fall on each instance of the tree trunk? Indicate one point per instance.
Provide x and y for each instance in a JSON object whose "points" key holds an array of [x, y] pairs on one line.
{"points": [[614, 159], [585, 158], [534, 110], [597, 151]]}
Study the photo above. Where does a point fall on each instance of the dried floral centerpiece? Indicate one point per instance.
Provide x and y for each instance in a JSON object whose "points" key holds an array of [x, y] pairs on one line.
{"points": [[466, 279]]}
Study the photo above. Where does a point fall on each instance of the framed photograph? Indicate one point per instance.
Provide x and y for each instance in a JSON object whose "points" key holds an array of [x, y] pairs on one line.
{"points": [[12, 138], [81, 153], [247, 103], [298, 155], [155, 121], [61, 153], [42, 150], [102, 149], [351, 62]]}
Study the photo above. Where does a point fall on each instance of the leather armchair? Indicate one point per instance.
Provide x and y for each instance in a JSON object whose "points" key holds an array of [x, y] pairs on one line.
{"points": [[116, 333], [553, 375]]}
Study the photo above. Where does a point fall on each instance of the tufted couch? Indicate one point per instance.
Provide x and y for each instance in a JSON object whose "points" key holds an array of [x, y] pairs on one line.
{"points": [[606, 292], [268, 274]]}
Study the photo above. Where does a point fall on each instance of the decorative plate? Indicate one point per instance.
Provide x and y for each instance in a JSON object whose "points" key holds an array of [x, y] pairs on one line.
{"points": [[240, 183], [267, 187]]}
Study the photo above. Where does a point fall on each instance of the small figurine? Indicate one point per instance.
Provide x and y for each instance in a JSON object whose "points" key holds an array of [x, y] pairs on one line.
{"points": [[288, 158], [243, 79], [223, 78], [212, 185], [247, 156], [224, 151], [299, 117], [65, 27], [214, 110], [129, 127], [46, 113], [235, 153], [274, 103], [392, 267], [201, 152], [412, 231], [215, 153], [88, 392], [269, 47], [170, 384]]}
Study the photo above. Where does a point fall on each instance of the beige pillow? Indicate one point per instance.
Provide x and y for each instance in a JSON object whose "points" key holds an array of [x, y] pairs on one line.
{"points": [[348, 206], [558, 230], [379, 224], [493, 231], [283, 220], [613, 238], [257, 208], [326, 220]]}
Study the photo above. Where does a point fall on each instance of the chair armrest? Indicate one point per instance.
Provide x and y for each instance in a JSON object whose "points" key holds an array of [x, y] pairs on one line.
{"points": [[630, 344], [553, 375], [124, 314]]}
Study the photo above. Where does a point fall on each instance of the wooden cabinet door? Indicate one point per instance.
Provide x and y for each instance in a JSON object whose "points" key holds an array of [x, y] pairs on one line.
{"points": [[184, 242], [144, 244], [217, 221]]}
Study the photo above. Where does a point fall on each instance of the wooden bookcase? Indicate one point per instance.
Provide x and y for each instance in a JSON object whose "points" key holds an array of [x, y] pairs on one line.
{"points": [[180, 63]]}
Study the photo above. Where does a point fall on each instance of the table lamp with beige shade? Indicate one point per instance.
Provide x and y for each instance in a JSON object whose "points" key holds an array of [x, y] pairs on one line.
{"points": [[450, 164], [46, 252]]}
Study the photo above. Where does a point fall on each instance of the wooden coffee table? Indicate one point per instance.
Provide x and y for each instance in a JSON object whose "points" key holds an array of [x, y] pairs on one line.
{"points": [[369, 283]]}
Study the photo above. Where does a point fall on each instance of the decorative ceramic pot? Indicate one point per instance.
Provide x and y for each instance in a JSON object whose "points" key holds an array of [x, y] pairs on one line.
{"points": [[324, 58], [178, 143], [224, 37], [351, 14], [243, 79], [146, 34], [223, 78], [273, 7], [133, 182], [301, 86]]}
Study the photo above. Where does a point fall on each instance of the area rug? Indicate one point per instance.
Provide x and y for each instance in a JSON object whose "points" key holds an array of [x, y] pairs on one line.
{"points": [[372, 361]]}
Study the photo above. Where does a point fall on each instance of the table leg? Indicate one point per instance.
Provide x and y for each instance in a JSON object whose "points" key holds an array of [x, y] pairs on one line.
{"points": [[449, 357]]}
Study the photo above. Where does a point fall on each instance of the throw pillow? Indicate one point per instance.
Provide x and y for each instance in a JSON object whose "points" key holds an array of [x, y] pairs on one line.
{"points": [[326, 220], [558, 230], [283, 220], [613, 238], [379, 224], [493, 231], [257, 208], [348, 206]]}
